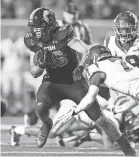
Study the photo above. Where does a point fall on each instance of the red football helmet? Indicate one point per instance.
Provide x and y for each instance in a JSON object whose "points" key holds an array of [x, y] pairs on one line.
{"points": [[125, 26], [97, 53], [70, 14], [42, 21]]}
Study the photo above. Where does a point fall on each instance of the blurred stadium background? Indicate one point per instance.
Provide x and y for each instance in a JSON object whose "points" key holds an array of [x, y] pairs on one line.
{"points": [[97, 14]]}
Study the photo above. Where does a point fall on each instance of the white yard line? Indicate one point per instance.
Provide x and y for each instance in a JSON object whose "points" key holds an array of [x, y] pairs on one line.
{"points": [[8, 126], [55, 152]]}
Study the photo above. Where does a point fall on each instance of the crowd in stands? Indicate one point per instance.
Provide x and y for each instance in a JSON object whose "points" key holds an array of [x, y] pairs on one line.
{"points": [[96, 9]]}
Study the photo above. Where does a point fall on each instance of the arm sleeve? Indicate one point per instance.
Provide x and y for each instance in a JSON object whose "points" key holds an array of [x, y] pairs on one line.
{"points": [[71, 33], [97, 78]]}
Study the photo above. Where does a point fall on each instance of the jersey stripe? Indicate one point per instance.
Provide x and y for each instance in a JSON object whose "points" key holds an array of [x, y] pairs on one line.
{"points": [[107, 41], [71, 33]]}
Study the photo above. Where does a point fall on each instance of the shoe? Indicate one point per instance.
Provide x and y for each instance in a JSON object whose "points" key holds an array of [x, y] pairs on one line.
{"points": [[43, 134], [77, 143], [131, 152], [15, 138], [60, 142]]}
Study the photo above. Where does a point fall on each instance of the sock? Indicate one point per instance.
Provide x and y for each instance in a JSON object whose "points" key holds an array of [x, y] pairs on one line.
{"points": [[20, 130], [125, 146], [46, 127], [32, 130]]}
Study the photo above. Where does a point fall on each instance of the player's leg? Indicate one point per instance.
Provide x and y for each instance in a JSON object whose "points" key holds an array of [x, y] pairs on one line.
{"points": [[136, 126], [109, 124], [76, 92], [48, 94], [108, 142], [82, 123], [6, 83], [3, 107], [105, 121], [18, 84]]}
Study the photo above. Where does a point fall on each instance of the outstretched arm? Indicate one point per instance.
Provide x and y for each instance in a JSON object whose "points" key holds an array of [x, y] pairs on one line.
{"points": [[95, 81]]}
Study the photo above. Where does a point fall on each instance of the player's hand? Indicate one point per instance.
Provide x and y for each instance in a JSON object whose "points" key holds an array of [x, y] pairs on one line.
{"points": [[77, 73], [41, 58], [68, 116], [124, 104]]}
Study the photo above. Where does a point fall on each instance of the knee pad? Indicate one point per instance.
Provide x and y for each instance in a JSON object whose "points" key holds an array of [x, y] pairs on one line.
{"points": [[108, 125], [42, 109]]}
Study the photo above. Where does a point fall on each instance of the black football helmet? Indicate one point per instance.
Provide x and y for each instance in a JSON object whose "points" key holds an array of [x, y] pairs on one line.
{"points": [[42, 21], [97, 53], [70, 14], [125, 26]]}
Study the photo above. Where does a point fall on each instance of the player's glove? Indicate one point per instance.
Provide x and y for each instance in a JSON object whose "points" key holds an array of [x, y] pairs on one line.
{"points": [[77, 73], [40, 58], [68, 116]]}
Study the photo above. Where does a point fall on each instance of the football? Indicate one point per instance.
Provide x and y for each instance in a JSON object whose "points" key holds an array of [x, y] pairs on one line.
{"points": [[36, 58]]}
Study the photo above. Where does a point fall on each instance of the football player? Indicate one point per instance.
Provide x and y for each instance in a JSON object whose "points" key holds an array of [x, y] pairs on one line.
{"points": [[71, 16], [3, 104], [70, 131], [115, 74], [125, 44], [55, 51]]}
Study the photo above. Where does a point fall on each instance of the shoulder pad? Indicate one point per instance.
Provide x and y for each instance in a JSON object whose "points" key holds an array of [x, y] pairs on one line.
{"points": [[30, 42], [106, 41], [65, 32]]}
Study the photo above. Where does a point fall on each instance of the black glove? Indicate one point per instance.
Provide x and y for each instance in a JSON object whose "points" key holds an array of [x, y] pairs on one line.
{"points": [[77, 73], [41, 57]]}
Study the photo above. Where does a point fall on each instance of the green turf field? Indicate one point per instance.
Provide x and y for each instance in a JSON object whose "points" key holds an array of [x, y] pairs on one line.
{"points": [[51, 149]]}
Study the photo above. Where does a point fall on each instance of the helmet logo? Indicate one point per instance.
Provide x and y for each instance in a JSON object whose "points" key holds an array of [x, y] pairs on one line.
{"points": [[102, 50], [45, 15]]}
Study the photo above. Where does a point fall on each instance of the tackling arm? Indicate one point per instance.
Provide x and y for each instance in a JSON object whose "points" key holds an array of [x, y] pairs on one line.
{"points": [[95, 81], [124, 104]]}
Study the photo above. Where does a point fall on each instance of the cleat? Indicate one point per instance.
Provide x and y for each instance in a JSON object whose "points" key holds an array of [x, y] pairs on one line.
{"points": [[60, 141], [43, 135], [77, 143], [15, 138], [131, 152]]}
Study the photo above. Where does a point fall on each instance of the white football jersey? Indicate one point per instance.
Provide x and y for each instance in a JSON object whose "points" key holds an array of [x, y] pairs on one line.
{"points": [[131, 56], [120, 76]]}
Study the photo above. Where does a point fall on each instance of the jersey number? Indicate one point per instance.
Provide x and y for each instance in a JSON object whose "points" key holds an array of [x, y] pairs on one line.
{"points": [[123, 64], [133, 60], [57, 58]]}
